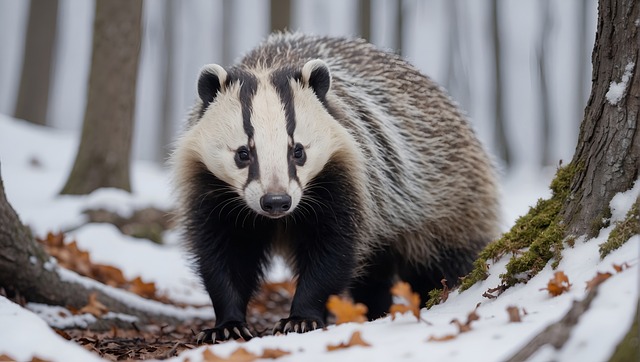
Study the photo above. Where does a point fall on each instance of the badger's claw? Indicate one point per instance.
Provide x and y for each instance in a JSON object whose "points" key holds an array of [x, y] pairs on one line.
{"points": [[233, 330], [297, 325]]}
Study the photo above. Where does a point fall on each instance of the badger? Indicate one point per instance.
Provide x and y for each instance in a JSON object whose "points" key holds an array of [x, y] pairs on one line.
{"points": [[344, 159]]}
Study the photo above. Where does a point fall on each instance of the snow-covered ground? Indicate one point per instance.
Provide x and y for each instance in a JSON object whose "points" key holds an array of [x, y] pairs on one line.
{"points": [[34, 162]]}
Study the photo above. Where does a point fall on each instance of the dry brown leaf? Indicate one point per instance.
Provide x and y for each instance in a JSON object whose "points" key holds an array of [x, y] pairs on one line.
{"points": [[146, 290], [445, 291], [94, 306], [346, 311], [621, 267], [273, 353], [597, 280], [109, 275], [4, 357], [239, 355], [466, 326], [446, 337], [71, 257], [558, 284], [403, 290], [514, 314], [38, 359], [355, 340]]}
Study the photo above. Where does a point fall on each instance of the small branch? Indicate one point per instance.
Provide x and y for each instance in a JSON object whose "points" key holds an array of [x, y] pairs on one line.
{"points": [[557, 333]]}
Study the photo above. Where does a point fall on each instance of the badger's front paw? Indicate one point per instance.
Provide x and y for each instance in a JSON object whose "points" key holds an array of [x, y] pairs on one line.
{"points": [[297, 325], [225, 332]]}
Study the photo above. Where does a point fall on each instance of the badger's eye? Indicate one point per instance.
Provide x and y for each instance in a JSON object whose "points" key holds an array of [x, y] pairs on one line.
{"points": [[298, 154], [242, 156]]}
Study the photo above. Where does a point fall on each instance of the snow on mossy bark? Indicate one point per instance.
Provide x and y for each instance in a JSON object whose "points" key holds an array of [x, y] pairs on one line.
{"points": [[623, 231], [536, 237]]}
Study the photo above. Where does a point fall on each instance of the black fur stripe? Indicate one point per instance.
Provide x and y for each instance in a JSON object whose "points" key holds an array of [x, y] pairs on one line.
{"points": [[248, 87], [280, 80]]}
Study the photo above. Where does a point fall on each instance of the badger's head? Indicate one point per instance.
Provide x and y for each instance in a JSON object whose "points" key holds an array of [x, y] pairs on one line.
{"points": [[265, 133]]}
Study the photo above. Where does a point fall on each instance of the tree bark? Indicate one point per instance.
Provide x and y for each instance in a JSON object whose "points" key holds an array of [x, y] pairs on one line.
{"points": [[501, 141], [582, 82], [33, 95], [28, 269], [105, 147], [608, 152]]}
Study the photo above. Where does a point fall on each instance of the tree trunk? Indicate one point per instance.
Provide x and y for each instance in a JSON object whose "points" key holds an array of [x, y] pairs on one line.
{"points": [[168, 93], [280, 15], [105, 147], [33, 96], [582, 81], [228, 11], [501, 141], [399, 26], [25, 267], [545, 97], [364, 19], [608, 152]]}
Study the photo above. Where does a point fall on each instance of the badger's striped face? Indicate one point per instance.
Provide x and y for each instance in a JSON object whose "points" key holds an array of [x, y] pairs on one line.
{"points": [[266, 134]]}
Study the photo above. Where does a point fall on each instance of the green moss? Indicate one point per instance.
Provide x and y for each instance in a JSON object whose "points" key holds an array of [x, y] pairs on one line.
{"points": [[602, 221], [435, 297], [622, 231], [535, 238]]}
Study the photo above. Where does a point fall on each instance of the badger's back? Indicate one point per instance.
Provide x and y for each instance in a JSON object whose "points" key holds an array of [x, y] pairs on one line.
{"points": [[430, 182]]}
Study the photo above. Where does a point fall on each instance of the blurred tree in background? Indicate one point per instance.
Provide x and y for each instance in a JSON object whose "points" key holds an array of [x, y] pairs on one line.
{"points": [[105, 147], [33, 95], [280, 19]]}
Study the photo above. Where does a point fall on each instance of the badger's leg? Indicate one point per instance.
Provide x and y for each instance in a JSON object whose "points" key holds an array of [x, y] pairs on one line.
{"points": [[373, 287], [324, 262], [230, 263], [451, 264]]}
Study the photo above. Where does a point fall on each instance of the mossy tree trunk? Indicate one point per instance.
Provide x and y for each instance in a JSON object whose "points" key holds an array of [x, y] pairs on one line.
{"points": [[608, 152], [105, 147]]}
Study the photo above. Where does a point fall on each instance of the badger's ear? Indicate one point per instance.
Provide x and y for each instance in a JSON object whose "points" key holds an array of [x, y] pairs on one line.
{"points": [[211, 81], [316, 74]]}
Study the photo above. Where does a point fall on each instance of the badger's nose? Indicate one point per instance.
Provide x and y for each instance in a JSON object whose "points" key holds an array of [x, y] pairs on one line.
{"points": [[275, 203]]}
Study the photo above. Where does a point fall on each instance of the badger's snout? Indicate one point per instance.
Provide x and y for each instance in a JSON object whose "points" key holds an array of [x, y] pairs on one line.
{"points": [[275, 204]]}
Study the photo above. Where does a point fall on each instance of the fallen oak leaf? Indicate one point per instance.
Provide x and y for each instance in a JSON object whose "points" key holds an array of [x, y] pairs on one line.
{"points": [[466, 327], [94, 306], [445, 291], [558, 284], [621, 267], [110, 275], [355, 340], [346, 311], [146, 290], [403, 290], [597, 280], [239, 355], [273, 353]]}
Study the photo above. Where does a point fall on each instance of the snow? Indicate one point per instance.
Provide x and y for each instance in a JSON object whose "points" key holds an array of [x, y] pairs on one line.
{"points": [[25, 335], [32, 189], [617, 89]]}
